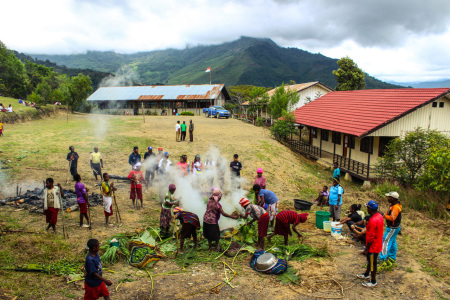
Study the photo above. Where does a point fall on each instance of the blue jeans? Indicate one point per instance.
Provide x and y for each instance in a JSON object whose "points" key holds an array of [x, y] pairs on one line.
{"points": [[390, 243]]}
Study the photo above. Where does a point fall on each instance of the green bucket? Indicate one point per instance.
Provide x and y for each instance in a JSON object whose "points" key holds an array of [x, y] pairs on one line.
{"points": [[322, 216]]}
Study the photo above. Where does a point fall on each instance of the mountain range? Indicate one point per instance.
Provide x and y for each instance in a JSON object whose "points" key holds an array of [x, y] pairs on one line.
{"points": [[246, 61], [426, 84]]}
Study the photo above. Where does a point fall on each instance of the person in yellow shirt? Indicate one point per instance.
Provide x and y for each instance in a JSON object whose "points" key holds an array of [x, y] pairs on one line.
{"points": [[96, 163], [107, 190], [1, 128]]}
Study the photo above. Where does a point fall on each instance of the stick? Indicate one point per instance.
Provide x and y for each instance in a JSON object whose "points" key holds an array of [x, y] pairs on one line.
{"points": [[176, 231], [117, 207], [89, 213], [70, 165], [62, 213]]}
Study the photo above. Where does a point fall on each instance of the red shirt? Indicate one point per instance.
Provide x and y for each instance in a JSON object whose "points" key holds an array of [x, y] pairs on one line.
{"points": [[138, 177], [374, 233]]}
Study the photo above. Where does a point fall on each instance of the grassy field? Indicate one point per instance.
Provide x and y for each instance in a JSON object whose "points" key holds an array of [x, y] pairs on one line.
{"points": [[36, 150]]}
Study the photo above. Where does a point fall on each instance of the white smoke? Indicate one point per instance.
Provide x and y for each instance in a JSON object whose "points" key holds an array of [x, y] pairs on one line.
{"points": [[125, 76], [194, 190]]}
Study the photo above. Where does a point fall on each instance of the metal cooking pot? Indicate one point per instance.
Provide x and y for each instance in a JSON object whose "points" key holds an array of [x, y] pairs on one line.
{"points": [[266, 262]]}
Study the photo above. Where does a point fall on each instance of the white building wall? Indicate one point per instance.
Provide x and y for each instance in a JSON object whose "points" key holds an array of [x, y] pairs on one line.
{"points": [[310, 92]]}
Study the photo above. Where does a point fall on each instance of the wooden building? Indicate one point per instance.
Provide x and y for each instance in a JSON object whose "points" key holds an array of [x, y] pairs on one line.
{"points": [[354, 127], [155, 98]]}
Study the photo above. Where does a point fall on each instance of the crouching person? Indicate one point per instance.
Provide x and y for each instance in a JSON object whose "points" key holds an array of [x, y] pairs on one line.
{"points": [[94, 283], [258, 214], [190, 223], [283, 222], [52, 202]]}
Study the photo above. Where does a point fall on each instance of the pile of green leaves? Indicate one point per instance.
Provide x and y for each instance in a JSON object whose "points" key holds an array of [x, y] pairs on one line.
{"points": [[248, 234], [290, 276], [299, 252], [113, 254], [60, 267]]}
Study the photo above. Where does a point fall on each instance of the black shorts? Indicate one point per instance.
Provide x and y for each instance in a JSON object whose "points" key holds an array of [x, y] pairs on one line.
{"points": [[371, 262], [211, 232]]}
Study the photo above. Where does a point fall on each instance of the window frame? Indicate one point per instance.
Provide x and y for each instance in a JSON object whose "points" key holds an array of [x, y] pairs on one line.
{"points": [[334, 137], [364, 143]]}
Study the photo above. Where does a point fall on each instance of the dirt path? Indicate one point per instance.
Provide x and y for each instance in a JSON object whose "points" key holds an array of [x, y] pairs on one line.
{"points": [[289, 175]]}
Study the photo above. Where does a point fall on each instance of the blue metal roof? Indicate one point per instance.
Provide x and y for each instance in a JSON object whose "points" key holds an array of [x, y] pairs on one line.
{"points": [[158, 92]]}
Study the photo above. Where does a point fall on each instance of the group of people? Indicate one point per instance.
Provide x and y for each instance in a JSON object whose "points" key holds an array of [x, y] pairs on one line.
{"points": [[6, 109], [180, 131]]}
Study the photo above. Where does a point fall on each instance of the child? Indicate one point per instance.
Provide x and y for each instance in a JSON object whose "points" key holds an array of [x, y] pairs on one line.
{"points": [[94, 283], [107, 190], [1, 128], [190, 223], [82, 199], [284, 219], [236, 167], [257, 213], [323, 197], [197, 165], [259, 179], [136, 177], [52, 203], [166, 213], [211, 218]]}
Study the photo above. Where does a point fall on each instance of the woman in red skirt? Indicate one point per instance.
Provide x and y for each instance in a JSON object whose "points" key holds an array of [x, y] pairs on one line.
{"points": [[52, 202], [260, 214], [284, 221]]}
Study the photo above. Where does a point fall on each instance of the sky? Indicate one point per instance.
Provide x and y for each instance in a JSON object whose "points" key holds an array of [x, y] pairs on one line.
{"points": [[393, 40]]}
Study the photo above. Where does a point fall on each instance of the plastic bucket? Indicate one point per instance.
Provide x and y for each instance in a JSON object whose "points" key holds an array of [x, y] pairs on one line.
{"points": [[322, 216], [336, 229], [327, 226]]}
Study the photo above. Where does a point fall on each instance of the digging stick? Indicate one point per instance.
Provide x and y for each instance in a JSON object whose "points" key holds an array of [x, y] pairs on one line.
{"points": [[89, 212], [70, 165], [176, 231], [62, 214], [117, 207]]}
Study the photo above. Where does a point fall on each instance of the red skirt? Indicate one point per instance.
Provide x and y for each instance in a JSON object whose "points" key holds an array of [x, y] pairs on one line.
{"points": [[108, 214], [263, 225], [133, 194], [282, 228], [51, 215], [83, 207], [92, 293]]}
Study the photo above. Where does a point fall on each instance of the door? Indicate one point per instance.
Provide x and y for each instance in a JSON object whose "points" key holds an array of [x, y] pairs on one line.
{"points": [[344, 148]]}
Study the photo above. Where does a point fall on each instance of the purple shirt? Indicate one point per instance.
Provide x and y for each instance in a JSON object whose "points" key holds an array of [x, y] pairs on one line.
{"points": [[212, 214], [80, 190]]}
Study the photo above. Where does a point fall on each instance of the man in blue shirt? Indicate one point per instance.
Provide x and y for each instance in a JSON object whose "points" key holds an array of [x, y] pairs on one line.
{"points": [[335, 200], [269, 198], [337, 171], [135, 157]]}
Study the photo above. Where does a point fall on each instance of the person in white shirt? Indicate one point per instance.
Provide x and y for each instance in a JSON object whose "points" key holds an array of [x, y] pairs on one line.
{"points": [[178, 131], [164, 164]]}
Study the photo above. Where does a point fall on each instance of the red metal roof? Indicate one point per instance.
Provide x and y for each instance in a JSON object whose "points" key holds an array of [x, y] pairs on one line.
{"points": [[363, 111]]}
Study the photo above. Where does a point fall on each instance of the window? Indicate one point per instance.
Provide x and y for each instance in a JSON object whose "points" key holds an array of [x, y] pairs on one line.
{"points": [[324, 135], [384, 142], [434, 104], [441, 104], [336, 138], [367, 145], [314, 132], [351, 141]]}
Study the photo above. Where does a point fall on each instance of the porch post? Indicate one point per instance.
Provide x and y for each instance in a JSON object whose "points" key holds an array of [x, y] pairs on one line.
{"points": [[334, 147], [320, 151], [300, 135], [368, 156]]}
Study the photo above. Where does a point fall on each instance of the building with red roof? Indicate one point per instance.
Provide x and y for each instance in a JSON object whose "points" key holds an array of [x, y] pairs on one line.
{"points": [[354, 127]]}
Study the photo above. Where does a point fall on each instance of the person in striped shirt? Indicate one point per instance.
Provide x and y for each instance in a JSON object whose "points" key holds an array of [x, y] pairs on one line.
{"points": [[283, 221]]}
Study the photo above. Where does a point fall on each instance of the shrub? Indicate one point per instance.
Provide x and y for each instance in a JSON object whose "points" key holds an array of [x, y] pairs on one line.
{"points": [[187, 113], [283, 127], [259, 122]]}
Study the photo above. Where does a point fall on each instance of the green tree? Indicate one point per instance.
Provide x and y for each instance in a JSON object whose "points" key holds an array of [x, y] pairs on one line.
{"points": [[349, 76], [80, 88], [258, 99], [406, 158], [284, 126], [14, 81], [436, 174], [283, 99]]}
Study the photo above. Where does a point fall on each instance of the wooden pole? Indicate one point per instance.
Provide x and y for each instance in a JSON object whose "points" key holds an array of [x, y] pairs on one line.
{"points": [[368, 157], [143, 114], [320, 153]]}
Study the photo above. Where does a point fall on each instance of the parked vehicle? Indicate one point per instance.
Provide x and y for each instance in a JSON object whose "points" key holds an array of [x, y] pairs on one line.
{"points": [[216, 111]]}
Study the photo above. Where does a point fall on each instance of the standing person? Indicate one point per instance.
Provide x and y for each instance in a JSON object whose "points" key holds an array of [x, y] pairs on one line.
{"points": [[235, 167], [335, 200], [267, 197], [166, 210], [150, 165], [197, 165], [1, 128], [183, 131], [190, 223], [135, 157], [52, 202], [177, 131], [323, 197], [260, 179], [258, 214], [136, 177], [159, 156], [374, 243], [96, 163], [282, 226], [82, 200], [94, 283], [164, 164], [107, 190], [211, 218], [393, 225], [191, 131], [72, 157], [183, 165], [336, 171]]}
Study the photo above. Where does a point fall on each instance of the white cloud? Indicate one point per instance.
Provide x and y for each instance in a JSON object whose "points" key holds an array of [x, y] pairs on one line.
{"points": [[389, 39]]}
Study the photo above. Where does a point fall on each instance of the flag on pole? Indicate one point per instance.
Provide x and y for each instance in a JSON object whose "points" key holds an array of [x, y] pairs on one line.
{"points": [[208, 70]]}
